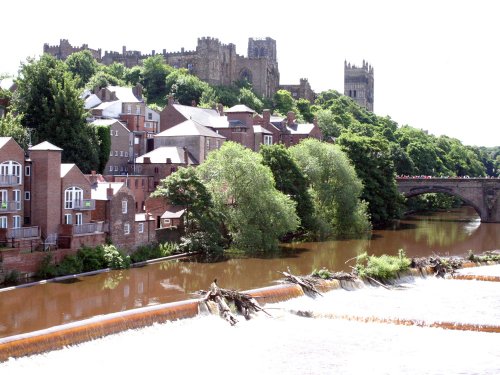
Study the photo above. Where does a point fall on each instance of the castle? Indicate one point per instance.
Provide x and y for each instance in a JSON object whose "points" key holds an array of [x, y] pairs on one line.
{"points": [[358, 84], [211, 61]]}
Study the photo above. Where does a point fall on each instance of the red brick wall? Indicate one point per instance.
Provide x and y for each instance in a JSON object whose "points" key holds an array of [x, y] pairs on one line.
{"points": [[118, 219], [77, 179], [46, 191], [170, 117]]}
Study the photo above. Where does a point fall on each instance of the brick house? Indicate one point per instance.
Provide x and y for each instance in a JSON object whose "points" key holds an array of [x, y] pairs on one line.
{"points": [[162, 162], [12, 194], [140, 185], [145, 229], [61, 201], [198, 139], [121, 146], [166, 215], [115, 206]]}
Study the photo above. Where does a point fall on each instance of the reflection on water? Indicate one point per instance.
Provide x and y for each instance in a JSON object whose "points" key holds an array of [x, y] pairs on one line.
{"points": [[43, 306]]}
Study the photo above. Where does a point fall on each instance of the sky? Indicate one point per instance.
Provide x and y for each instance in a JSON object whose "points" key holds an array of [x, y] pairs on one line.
{"points": [[434, 61]]}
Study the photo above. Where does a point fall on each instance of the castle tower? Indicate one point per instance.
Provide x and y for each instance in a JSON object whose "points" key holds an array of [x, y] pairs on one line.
{"points": [[262, 48], [358, 84]]}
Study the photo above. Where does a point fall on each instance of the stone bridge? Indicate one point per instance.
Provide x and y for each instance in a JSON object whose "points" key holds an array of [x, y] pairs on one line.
{"points": [[481, 193]]}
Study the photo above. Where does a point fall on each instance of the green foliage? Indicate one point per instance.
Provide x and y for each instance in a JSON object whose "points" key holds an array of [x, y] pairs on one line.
{"points": [[47, 268], [115, 258], [153, 251], [50, 103], [255, 214], [488, 256], [250, 99], [371, 158], [11, 126], [384, 267], [284, 102], [104, 141], [91, 258], [12, 277], [116, 70], [133, 76], [334, 187], [186, 88], [184, 188], [102, 79], [322, 274], [82, 66], [154, 74], [290, 181], [305, 110]]}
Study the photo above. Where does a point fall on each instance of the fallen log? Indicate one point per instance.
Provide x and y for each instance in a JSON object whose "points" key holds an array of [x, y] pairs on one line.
{"points": [[308, 284], [245, 304]]}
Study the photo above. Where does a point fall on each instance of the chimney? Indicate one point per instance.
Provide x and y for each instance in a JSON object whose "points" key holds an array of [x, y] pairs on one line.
{"points": [[290, 118], [266, 117], [220, 109], [147, 160], [169, 161], [170, 100], [109, 192], [186, 159], [137, 91], [93, 178]]}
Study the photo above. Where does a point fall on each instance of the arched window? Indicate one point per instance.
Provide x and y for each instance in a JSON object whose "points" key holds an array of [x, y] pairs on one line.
{"points": [[246, 75], [262, 52], [73, 197], [10, 173]]}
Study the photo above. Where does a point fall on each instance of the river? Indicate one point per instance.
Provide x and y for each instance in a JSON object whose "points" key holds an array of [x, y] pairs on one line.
{"points": [[37, 307]]}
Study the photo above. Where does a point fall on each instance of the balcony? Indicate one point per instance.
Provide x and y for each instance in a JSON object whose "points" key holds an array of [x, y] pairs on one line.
{"points": [[24, 232], [84, 204], [9, 206], [87, 228], [9, 180]]}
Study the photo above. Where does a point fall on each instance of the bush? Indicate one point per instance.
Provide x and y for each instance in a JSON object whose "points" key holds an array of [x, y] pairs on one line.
{"points": [[47, 269], [92, 258], [12, 277], [384, 267], [153, 251], [115, 258]]}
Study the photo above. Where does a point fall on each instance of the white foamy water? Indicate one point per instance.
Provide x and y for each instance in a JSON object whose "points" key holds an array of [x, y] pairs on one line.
{"points": [[493, 270], [290, 344]]}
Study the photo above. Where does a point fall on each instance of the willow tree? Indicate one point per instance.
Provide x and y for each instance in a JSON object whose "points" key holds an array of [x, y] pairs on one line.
{"points": [[334, 187], [255, 213]]}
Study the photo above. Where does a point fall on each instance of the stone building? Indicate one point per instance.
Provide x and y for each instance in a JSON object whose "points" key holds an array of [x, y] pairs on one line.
{"points": [[211, 61], [302, 90], [358, 84]]}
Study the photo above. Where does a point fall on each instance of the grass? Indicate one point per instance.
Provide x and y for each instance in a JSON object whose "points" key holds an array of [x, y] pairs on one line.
{"points": [[384, 267]]}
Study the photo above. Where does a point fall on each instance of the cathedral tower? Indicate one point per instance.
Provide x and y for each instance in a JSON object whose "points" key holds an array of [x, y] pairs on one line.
{"points": [[358, 84]]}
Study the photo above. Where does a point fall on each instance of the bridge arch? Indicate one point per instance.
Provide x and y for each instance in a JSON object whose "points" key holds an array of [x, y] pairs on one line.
{"points": [[482, 194]]}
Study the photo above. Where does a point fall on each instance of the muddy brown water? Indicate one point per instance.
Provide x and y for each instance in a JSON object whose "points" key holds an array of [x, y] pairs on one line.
{"points": [[42, 306]]}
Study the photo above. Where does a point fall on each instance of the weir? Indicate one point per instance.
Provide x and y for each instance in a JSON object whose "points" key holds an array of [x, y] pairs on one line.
{"points": [[90, 329]]}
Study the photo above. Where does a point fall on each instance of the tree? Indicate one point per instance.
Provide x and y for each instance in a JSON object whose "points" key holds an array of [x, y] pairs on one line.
{"points": [[10, 126], [133, 75], [371, 158], [104, 139], [305, 110], [184, 188], [102, 79], [284, 102], [334, 187], [290, 181], [82, 66], [154, 74], [185, 87], [248, 98], [255, 214], [117, 70], [50, 102]]}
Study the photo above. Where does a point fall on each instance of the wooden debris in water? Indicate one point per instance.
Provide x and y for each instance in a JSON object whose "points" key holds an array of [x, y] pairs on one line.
{"points": [[307, 283], [244, 303]]}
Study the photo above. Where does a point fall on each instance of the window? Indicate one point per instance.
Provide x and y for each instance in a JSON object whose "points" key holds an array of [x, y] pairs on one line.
{"points": [[27, 195], [16, 222], [111, 132], [129, 109], [10, 172], [150, 116], [16, 197], [111, 168], [116, 168], [268, 139], [27, 170], [79, 218], [116, 133], [166, 222], [136, 140], [126, 154], [68, 219], [141, 227], [121, 153], [3, 222], [111, 153], [116, 153], [137, 110], [72, 196], [136, 183], [126, 228], [124, 207], [208, 144], [217, 142]]}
